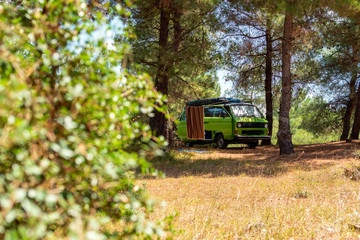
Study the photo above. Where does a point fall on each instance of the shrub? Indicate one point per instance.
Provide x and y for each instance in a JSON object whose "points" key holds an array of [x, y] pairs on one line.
{"points": [[65, 118], [353, 173], [357, 154]]}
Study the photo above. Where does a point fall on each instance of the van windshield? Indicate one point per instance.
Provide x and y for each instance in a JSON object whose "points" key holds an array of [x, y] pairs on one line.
{"points": [[246, 111]]}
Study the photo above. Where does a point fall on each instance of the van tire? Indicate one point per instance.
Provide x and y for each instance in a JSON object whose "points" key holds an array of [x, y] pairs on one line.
{"points": [[220, 141], [253, 145], [189, 144]]}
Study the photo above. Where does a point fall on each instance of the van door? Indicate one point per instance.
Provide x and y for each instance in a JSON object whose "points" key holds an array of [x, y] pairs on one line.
{"points": [[195, 122], [216, 119]]}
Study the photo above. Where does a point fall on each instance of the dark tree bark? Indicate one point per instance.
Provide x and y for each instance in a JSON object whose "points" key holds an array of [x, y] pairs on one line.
{"points": [[177, 28], [169, 11], [349, 108], [284, 134], [177, 33], [356, 126], [159, 123], [268, 81]]}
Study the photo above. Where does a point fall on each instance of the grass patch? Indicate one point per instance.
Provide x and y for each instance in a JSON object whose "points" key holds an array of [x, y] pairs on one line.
{"points": [[240, 193]]}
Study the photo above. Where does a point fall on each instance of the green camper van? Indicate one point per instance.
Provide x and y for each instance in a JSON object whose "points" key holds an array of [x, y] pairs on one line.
{"points": [[223, 121]]}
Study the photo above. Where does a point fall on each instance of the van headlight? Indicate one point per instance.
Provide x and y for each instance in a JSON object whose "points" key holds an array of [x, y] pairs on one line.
{"points": [[238, 125], [266, 125]]}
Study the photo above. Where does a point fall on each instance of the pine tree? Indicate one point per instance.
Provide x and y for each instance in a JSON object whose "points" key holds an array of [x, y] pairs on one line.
{"points": [[174, 46]]}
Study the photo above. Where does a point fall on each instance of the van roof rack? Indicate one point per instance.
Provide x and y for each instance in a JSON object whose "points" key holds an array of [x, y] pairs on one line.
{"points": [[214, 101]]}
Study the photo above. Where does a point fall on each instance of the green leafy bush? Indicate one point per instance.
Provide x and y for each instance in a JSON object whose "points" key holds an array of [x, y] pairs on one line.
{"points": [[66, 114], [319, 117]]}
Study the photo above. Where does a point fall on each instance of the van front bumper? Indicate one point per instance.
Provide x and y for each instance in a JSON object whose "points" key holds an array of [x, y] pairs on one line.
{"points": [[251, 137]]}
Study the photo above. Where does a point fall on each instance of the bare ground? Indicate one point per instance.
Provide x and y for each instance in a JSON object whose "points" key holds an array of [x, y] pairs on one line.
{"points": [[262, 161]]}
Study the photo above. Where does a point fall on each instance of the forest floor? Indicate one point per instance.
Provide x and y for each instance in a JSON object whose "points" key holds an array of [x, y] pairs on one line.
{"points": [[242, 193]]}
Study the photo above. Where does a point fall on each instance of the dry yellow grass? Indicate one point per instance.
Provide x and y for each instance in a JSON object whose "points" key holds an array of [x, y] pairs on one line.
{"points": [[256, 194]]}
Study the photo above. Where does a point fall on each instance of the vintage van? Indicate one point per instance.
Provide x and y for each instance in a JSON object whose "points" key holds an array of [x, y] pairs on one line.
{"points": [[223, 121]]}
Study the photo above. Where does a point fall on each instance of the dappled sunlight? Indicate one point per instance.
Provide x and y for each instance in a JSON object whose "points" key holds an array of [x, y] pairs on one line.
{"points": [[264, 161]]}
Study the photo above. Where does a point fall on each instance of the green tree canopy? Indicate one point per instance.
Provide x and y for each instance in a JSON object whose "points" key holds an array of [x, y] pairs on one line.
{"points": [[175, 46]]}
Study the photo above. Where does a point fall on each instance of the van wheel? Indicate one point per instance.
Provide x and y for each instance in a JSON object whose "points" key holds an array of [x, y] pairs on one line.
{"points": [[189, 144], [220, 141], [252, 145]]}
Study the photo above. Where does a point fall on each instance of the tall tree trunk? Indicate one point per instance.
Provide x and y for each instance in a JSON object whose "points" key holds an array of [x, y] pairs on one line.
{"points": [[349, 107], [177, 32], [284, 134], [177, 10], [356, 127], [159, 123], [268, 81]]}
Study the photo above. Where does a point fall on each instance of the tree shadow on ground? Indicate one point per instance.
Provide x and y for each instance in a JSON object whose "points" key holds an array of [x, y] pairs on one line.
{"points": [[230, 167], [263, 161]]}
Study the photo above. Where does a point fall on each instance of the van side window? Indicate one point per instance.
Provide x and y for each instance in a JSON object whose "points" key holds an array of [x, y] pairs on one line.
{"points": [[227, 108], [208, 112], [220, 112], [215, 112]]}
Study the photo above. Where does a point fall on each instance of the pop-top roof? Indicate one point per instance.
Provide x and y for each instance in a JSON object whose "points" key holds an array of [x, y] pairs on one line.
{"points": [[214, 101]]}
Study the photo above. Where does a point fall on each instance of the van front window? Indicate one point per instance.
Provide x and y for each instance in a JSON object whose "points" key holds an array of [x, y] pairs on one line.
{"points": [[246, 111]]}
